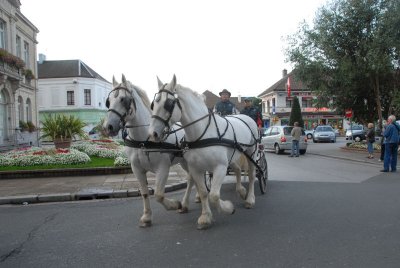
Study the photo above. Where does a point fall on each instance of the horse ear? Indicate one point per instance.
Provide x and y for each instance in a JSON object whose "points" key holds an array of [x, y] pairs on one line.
{"points": [[123, 79], [115, 83], [173, 83], [160, 84]]}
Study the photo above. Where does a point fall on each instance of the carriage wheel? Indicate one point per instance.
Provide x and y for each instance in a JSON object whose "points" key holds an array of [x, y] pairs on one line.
{"points": [[207, 179], [262, 171]]}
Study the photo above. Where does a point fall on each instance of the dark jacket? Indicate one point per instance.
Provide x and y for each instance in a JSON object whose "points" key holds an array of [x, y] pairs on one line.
{"points": [[391, 133], [225, 108], [370, 135], [253, 113]]}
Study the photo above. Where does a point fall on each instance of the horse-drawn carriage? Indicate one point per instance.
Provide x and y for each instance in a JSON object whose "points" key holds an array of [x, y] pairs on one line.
{"points": [[211, 148]]}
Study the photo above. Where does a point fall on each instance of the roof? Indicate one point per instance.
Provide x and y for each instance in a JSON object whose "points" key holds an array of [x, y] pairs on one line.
{"points": [[66, 68], [295, 85]]}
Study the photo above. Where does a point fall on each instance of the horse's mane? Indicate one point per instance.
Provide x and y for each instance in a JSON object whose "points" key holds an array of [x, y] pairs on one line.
{"points": [[142, 94], [185, 90]]}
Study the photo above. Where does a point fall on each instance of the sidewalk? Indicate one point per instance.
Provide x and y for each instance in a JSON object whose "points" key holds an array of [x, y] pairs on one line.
{"points": [[70, 188], [59, 189]]}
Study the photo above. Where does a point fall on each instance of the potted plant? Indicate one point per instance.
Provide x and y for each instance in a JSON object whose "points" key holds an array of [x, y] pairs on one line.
{"points": [[29, 74], [31, 126], [61, 129], [23, 126]]}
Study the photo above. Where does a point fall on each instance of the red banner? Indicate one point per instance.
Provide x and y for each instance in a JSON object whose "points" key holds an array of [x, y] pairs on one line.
{"points": [[288, 86]]}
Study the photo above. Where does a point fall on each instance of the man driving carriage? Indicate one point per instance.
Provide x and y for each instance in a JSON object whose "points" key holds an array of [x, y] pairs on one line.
{"points": [[225, 106]]}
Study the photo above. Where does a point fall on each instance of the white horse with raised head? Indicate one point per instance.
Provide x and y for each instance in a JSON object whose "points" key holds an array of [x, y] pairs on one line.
{"points": [[212, 143], [129, 107]]}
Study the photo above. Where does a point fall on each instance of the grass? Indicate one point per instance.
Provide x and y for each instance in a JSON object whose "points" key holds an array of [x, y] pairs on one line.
{"points": [[96, 162]]}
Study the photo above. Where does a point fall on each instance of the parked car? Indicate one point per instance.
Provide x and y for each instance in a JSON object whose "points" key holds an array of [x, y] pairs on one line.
{"points": [[324, 133], [278, 138], [309, 133], [356, 132]]}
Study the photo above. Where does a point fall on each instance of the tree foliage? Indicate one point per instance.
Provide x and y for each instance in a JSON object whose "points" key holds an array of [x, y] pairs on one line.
{"points": [[350, 57], [295, 114]]}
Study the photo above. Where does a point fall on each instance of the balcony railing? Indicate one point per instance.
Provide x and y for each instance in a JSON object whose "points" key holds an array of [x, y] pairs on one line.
{"points": [[11, 70]]}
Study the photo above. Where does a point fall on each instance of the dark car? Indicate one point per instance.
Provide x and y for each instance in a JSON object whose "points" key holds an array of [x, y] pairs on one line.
{"points": [[356, 132]]}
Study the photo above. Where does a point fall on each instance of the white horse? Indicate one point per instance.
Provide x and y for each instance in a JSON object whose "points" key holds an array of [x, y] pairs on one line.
{"points": [[212, 142], [129, 106]]}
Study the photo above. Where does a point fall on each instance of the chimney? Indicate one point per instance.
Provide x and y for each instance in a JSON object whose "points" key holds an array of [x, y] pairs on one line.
{"points": [[284, 73], [42, 58]]}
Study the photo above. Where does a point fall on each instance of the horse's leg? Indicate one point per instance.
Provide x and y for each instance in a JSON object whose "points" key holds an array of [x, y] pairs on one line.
{"points": [[161, 179], [205, 219], [218, 177], [240, 189], [251, 199], [145, 220], [186, 196]]}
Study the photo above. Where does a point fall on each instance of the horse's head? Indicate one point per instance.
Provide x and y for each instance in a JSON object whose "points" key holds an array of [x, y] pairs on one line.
{"points": [[121, 105], [166, 108]]}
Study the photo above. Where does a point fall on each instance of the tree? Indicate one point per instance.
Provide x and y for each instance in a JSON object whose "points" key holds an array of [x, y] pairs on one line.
{"points": [[351, 56], [295, 114]]}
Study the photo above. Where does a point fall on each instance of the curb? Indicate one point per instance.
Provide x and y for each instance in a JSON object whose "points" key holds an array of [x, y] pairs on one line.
{"points": [[46, 173], [89, 194]]}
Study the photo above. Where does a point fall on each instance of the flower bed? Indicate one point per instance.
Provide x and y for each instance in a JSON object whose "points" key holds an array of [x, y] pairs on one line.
{"points": [[100, 148], [363, 145], [31, 156]]}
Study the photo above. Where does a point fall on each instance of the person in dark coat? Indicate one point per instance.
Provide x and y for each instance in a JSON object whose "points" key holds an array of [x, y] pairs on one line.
{"points": [[225, 106], [252, 111]]}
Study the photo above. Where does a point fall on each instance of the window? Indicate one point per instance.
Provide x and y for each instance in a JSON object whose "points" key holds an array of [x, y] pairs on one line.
{"points": [[2, 34], [88, 100], [26, 54], [20, 109], [70, 98], [306, 102], [28, 110], [18, 46], [289, 102]]}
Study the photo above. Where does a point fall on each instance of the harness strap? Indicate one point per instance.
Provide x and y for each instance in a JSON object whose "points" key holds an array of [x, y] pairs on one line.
{"points": [[150, 144]]}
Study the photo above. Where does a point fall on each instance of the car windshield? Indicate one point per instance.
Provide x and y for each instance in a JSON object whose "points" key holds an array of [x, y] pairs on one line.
{"points": [[356, 127], [322, 129]]}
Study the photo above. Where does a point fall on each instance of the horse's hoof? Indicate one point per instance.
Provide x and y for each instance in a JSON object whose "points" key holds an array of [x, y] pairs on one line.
{"points": [[233, 212], [183, 210], [248, 205], [145, 224], [203, 226]]}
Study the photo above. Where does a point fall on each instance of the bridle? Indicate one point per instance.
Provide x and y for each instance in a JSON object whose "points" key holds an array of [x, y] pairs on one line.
{"points": [[169, 105], [126, 104]]}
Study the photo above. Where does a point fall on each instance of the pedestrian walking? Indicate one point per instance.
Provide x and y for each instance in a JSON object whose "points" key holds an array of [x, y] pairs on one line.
{"points": [[370, 136], [391, 135], [296, 133]]}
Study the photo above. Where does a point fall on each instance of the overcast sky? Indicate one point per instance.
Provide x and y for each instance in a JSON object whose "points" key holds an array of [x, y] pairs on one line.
{"points": [[208, 44]]}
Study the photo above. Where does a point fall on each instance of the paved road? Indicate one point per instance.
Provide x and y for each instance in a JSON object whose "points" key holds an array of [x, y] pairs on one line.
{"points": [[318, 212]]}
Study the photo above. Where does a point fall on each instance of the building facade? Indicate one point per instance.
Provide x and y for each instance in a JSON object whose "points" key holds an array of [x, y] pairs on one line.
{"points": [[277, 103], [71, 87], [18, 87]]}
